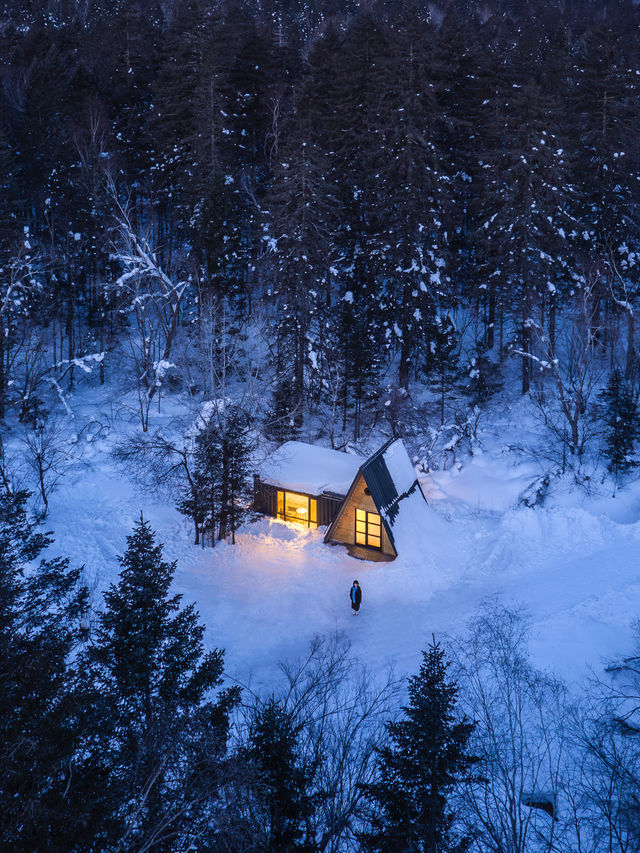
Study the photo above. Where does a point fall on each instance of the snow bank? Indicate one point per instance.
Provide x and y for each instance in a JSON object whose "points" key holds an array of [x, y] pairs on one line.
{"points": [[310, 469], [492, 484]]}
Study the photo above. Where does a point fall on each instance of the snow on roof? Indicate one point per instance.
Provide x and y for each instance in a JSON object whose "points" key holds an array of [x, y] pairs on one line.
{"points": [[310, 469], [414, 526], [399, 466]]}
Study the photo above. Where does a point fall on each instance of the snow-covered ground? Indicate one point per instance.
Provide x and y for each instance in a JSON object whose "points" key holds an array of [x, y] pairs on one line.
{"points": [[573, 563]]}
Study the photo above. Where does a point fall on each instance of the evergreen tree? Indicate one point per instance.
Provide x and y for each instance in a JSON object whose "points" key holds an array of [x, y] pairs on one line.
{"points": [[440, 361], [622, 423], [524, 223], [280, 421], [216, 496], [41, 624], [156, 731], [484, 376], [280, 781], [412, 188], [419, 770]]}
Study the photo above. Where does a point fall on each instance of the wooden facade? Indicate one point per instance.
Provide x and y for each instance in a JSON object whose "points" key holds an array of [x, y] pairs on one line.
{"points": [[272, 500], [358, 531]]}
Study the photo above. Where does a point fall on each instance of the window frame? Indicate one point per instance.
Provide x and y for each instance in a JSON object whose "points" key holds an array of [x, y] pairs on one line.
{"points": [[372, 521], [312, 509]]}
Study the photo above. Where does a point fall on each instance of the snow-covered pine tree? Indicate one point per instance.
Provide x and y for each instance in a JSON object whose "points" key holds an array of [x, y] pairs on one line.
{"points": [[440, 361], [411, 191], [354, 320], [523, 217], [42, 610], [607, 171], [157, 728], [233, 446], [622, 423], [419, 769], [299, 211], [215, 497]]}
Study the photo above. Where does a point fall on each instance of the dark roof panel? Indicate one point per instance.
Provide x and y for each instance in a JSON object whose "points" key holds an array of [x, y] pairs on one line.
{"points": [[384, 490], [379, 480]]}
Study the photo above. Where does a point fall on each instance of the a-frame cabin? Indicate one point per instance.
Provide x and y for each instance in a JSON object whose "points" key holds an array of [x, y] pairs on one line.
{"points": [[366, 520], [361, 501]]}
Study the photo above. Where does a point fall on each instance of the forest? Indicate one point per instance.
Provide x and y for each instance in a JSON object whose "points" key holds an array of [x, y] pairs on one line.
{"points": [[232, 223]]}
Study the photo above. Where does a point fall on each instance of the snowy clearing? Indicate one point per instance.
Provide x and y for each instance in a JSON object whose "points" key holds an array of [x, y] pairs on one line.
{"points": [[573, 563]]}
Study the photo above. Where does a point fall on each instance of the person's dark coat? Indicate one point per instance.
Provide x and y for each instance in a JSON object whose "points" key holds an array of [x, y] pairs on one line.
{"points": [[355, 595]]}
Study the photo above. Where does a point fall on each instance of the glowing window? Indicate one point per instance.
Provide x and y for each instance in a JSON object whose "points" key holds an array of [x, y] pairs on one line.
{"points": [[368, 529], [299, 509]]}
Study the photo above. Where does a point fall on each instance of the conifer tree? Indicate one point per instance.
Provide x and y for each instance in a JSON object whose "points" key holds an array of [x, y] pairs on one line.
{"points": [[42, 610], [622, 423], [215, 497], [440, 361], [153, 708], [420, 768], [281, 783], [413, 242]]}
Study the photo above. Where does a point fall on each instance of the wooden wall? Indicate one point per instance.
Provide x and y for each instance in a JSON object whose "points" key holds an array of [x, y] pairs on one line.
{"points": [[345, 529], [265, 500]]}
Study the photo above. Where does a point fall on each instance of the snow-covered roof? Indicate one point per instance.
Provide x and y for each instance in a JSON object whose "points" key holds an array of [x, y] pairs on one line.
{"points": [[393, 485], [399, 466], [411, 524], [310, 469]]}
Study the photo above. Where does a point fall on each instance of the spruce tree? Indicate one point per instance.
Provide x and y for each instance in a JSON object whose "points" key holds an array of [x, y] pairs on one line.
{"points": [[622, 423], [216, 495], [420, 768], [280, 781], [441, 357], [157, 730], [42, 610]]}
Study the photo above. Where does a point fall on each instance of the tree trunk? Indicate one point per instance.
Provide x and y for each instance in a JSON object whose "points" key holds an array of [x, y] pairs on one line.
{"points": [[405, 361], [2, 371], [628, 368], [491, 319], [552, 325], [526, 349]]}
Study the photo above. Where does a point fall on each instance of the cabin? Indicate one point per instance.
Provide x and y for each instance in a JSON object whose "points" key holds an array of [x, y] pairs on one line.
{"points": [[360, 500], [304, 484]]}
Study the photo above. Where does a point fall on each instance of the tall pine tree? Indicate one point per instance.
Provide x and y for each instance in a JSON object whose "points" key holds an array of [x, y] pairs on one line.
{"points": [[42, 611], [622, 423], [420, 768], [158, 731], [281, 782]]}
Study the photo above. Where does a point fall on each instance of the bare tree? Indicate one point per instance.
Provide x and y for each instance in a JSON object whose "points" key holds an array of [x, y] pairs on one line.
{"points": [[568, 373], [520, 735], [623, 290], [48, 456], [155, 302], [602, 769], [341, 710]]}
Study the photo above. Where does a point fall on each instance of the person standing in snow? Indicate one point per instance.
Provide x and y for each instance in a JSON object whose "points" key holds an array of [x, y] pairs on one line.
{"points": [[355, 595]]}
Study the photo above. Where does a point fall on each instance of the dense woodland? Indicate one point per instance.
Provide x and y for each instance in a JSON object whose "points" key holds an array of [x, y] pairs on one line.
{"points": [[330, 219], [401, 197]]}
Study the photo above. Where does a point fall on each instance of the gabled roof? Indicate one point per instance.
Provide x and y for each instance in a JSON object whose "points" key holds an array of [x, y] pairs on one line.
{"points": [[390, 478], [309, 469]]}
